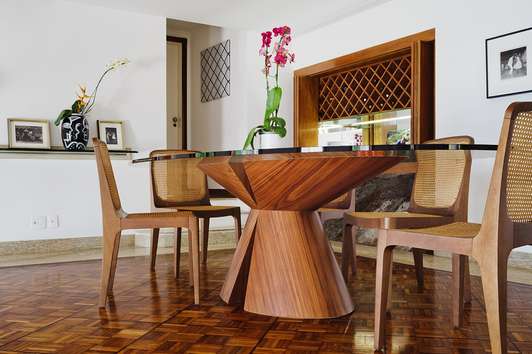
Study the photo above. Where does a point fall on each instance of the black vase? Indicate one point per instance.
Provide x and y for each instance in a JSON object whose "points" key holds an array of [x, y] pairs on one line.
{"points": [[75, 132]]}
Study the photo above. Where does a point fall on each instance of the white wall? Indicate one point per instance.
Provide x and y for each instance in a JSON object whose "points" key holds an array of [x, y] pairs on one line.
{"points": [[461, 29], [223, 124], [47, 48]]}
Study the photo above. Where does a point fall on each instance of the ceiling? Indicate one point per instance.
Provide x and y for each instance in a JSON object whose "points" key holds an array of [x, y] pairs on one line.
{"points": [[302, 15]]}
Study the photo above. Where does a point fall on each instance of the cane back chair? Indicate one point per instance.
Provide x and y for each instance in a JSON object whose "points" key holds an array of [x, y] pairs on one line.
{"points": [[439, 196], [507, 224], [115, 219], [179, 184]]}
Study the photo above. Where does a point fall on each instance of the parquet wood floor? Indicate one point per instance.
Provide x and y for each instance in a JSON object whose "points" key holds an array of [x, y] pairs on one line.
{"points": [[53, 309]]}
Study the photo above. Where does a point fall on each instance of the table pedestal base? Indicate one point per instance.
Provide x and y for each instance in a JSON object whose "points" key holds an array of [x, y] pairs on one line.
{"points": [[284, 266]]}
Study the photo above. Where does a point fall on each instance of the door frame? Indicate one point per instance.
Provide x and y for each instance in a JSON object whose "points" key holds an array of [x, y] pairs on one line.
{"points": [[184, 87]]}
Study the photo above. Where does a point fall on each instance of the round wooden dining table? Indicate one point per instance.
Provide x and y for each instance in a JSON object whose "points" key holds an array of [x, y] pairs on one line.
{"points": [[284, 265]]}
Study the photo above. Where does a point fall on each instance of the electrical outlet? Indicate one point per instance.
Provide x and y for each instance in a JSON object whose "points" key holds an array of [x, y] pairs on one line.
{"points": [[52, 221], [38, 222]]}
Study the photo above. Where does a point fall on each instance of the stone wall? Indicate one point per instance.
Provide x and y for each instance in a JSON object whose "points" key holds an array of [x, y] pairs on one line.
{"points": [[383, 193]]}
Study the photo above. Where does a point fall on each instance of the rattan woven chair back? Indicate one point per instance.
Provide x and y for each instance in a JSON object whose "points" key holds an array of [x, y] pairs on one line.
{"points": [[519, 170], [507, 221], [178, 182], [108, 188], [441, 184], [509, 203]]}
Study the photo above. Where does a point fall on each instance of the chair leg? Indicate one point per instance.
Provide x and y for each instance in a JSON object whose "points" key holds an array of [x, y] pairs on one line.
{"points": [[238, 225], [382, 285], [459, 262], [467, 282], [190, 260], [194, 252], [154, 244], [205, 243], [348, 253], [111, 244], [418, 263], [177, 252], [494, 276], [390, 288]]}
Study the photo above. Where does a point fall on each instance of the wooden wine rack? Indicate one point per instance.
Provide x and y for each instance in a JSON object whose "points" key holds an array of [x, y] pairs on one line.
{"points": [[379, 86]]}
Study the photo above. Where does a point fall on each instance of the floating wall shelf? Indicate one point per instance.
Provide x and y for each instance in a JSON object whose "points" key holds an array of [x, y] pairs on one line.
{"points": [[60, 151]]}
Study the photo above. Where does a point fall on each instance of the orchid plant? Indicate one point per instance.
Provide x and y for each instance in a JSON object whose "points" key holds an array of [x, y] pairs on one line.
{"points": [[281, 36], [84, 102]]}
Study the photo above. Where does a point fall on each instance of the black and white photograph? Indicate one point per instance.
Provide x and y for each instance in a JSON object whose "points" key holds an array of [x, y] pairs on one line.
{"points": [[507, 64], [29, 134], [111, 136], [513, 63], [111, 132]]}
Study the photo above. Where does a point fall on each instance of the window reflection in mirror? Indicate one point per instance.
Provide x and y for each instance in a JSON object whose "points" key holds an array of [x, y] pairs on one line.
{"points": [[382, 128]]}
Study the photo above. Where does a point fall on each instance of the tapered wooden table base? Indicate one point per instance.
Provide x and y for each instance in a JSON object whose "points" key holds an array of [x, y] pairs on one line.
{"points": [[283, 265]]}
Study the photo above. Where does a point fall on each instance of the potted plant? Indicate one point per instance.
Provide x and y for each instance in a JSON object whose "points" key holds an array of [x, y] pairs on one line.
{"points": [[74, 124], [274, 127]]}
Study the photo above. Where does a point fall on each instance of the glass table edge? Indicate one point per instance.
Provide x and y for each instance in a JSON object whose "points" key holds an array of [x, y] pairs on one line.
{"points": [[342, 148]]}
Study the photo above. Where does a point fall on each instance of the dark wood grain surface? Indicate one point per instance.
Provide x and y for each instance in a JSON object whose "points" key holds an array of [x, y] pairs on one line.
{"points": [[54, 309], [284, 264]]}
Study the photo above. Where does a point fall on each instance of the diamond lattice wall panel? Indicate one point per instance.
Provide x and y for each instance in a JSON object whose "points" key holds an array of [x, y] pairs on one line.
{"points": [[216, 71], [376, 87]]}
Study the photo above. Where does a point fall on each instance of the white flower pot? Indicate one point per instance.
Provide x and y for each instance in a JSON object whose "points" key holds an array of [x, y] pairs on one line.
{"points": [[270, 141]]}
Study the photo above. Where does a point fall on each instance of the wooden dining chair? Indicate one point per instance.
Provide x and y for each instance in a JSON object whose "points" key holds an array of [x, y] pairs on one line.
{"points": [[179, 184], [115, 219], [439, 196], [507, 224]]}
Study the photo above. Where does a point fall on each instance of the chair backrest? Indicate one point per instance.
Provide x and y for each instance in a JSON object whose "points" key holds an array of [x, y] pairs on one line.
{"points": [[178, 182], [108, 189], [441, 185], [509, 204], [518, 166]]}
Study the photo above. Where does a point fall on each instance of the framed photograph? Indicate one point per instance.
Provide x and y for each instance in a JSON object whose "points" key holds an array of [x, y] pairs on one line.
{"points": [[507, 71], [28, 133], [111, 133]]}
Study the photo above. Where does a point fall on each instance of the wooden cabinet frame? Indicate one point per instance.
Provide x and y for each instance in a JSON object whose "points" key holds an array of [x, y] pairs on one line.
{"points": [[420, 45]]}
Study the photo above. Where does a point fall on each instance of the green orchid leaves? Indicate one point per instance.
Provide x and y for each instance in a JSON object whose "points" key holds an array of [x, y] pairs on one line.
{"points": [[64, 113], [273, 102], [272, 122], [251, 137]]}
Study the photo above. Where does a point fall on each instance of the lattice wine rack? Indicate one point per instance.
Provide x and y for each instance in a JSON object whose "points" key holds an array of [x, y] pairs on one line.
{"points": [[376, 87]]}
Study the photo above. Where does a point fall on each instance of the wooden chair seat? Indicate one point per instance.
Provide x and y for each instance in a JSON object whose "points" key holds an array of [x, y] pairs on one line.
{"points": [[170, 214], [149, 220], [394, 220], [208, 211], [455, 229]]}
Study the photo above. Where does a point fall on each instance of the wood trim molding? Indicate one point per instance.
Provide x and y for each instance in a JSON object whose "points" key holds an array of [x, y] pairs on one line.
{"points": [[184, 86], [366, 55]]}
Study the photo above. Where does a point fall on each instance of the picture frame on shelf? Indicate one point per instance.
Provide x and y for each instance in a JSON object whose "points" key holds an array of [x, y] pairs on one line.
{"points": [[28, 133], [507, 71], [111, 132]]}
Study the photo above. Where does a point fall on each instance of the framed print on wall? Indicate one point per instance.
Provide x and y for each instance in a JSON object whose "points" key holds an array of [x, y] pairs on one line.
{"points": [[111, 132], [28, 133], [507, 71]]}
